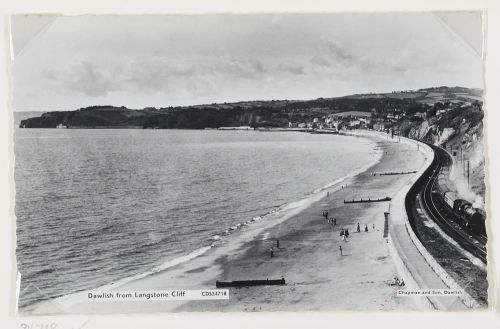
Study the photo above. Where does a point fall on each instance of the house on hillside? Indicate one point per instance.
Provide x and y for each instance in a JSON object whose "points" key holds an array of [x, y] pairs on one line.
{"points": [[353, 124], [421, 115], [379, 126]]}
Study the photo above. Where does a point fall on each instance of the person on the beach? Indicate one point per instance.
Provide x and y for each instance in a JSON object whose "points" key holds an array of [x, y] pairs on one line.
{"points": [[346, 233], [272, 252], [373, 226], [340, 249], [334, 221], [366, 228], [358, 229]]}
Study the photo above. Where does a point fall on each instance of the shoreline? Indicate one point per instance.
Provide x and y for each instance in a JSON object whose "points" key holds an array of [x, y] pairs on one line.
{"points": [[219, 260], [339, 289]]}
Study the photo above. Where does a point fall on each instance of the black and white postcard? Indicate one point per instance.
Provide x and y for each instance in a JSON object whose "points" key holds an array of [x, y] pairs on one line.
{"points": [[249, 162]]}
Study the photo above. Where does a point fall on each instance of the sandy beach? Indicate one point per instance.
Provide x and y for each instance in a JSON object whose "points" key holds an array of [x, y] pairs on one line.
{"points": [[308, 258]]}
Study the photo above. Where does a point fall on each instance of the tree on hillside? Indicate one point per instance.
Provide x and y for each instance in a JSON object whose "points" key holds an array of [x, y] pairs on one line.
{"points": [[413, 109]]}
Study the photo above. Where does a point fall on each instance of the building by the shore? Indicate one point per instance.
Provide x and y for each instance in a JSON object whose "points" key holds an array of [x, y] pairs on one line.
{"points": [[236, 128]]}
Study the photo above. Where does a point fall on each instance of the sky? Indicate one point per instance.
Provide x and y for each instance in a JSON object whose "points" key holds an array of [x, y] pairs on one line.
{"points": [[69, 62]]}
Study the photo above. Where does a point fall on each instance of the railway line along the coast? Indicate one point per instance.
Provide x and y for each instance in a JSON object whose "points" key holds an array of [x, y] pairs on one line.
{"points": [[459, 250]]}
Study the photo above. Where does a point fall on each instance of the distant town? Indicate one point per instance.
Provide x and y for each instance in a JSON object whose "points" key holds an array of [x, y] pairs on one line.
{"points": [[381, 120]]}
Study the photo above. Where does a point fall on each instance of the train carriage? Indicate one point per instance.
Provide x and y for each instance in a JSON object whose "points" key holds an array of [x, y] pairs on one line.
{"points": [[471, 218]]}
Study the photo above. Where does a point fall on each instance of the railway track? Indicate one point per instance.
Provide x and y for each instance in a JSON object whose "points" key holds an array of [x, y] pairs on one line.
{"points": [[439, 211]]}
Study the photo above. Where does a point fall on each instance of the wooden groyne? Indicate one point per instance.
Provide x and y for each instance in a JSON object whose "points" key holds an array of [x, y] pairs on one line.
{"points": [[394, 173], [249, 283], [368, 200]]}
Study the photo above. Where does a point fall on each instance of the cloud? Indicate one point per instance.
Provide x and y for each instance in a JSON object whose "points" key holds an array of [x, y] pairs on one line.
{"points": [[296, 69], [337, 51], [201, 87], [145, 75], [83, 77], [148, 59], [332, 55], [139, 74], [400, 68], [320, 61], [241, 68]]}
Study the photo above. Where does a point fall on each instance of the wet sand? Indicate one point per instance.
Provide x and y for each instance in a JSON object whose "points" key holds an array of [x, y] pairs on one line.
{"points": [[317, 276]]}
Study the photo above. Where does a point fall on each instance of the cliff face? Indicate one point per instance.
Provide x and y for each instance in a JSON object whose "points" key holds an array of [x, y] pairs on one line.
{"points": [[113, 117], [461, 133], [445, 127], [89, 117], [419, 131]]}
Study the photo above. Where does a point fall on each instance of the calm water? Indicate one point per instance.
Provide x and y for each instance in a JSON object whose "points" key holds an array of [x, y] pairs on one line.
{"points": [[97, 206]]}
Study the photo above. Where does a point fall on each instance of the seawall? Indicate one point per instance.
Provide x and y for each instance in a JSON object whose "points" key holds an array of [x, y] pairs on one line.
{"points": [[415, 264]]}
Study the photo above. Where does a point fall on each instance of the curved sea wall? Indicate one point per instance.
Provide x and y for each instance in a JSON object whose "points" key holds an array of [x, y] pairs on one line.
{"points": [[407, 262], [402, 246]]}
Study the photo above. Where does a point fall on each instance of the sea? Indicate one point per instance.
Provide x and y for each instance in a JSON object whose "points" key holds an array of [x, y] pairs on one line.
{"points": [[99, 206]]}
